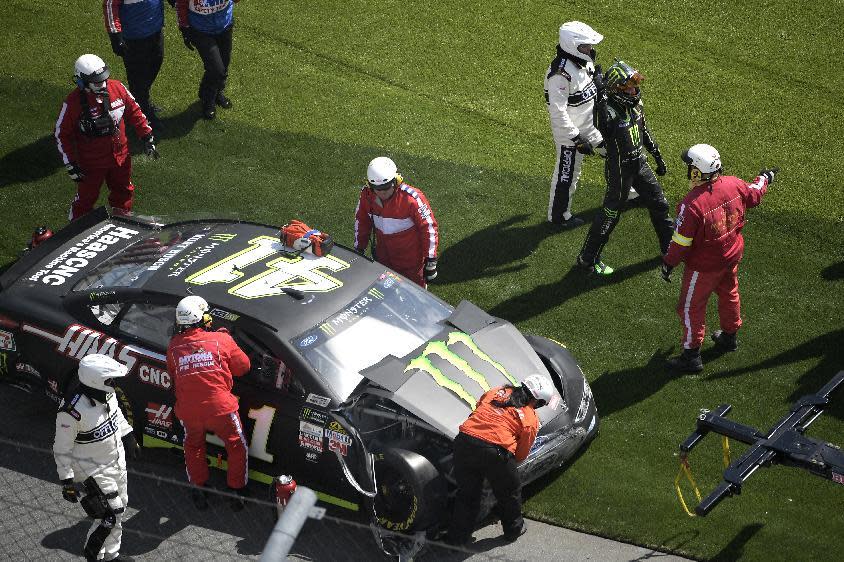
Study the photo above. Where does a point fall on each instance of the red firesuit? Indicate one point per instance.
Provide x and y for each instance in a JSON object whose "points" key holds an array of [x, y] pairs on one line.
{"points": [[202, 365], [707, 236], [406, 232], [101, 158]]}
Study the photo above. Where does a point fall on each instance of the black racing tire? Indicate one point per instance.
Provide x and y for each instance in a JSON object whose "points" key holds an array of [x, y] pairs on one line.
{"points": [[411, 492]]}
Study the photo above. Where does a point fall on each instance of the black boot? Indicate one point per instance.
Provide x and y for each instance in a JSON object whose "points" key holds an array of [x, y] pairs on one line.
{"points": [[223, 101], [200, 498], [725, 341], [687, 362]]}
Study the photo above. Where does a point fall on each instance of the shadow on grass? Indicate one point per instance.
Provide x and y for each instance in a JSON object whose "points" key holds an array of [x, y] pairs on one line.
{"points": [[734, 550], [833, 272], [493, 250], [575, 282], [828, 348]]}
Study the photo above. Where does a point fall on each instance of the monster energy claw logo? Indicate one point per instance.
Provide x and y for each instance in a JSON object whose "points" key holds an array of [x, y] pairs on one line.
{"points": [[441, 349]]}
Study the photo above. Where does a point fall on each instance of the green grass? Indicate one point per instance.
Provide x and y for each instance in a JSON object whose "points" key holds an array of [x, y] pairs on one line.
{"points": [[453, 92]]}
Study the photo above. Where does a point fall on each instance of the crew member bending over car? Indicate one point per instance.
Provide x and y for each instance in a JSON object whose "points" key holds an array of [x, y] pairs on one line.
{"points": [[203, 364], [497, 436], [89, 448], [406, 232]]}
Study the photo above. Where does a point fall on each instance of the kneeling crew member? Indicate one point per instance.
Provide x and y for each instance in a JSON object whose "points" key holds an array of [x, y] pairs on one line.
{"points": [[89, 446], [497, 436], [203, 364]]}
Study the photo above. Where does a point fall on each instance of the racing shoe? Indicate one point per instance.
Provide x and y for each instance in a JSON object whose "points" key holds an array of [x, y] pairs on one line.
{"points": [[598, 268], [513, 536], [568, 224], [200, 498], [687, 362], [725, 341], [223, 101], [209, 111], [237, 502]]}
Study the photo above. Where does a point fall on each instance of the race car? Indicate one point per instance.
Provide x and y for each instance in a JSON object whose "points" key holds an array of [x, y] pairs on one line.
{"points": [[359, 380]]}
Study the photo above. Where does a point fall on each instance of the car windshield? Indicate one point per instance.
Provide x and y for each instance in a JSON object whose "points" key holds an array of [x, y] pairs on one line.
{"points": [[138, 262], [392, 317]]}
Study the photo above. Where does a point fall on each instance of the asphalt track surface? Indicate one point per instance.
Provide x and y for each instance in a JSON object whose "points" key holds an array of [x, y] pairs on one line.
{"points": [[162, 523]]}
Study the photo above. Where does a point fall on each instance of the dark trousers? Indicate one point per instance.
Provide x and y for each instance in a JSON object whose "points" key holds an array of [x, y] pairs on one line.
{"points": [[474, 461], [215, 51], [142, 59], [620, 177]]}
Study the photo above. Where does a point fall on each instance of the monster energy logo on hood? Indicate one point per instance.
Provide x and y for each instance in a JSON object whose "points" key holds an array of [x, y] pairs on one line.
{"points": [[440, 349]]}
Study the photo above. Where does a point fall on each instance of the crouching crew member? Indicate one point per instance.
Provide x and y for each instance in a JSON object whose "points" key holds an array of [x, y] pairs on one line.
{"points": [[203, 364], [708, 238], [497, 436], [89, 448]]}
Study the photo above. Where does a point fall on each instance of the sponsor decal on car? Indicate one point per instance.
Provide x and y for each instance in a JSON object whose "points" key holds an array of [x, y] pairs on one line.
{"points": [[838, 478], [441, 349], [191, 257], [314, 416], [310, 436], [584, 403], [224, 314], [27, 369], [338, 439], [79, 341], [308, 341], [79, 256], [155, 377], [159, 415], [7, 341], [321, 401], [310, 456], [175, 251]]}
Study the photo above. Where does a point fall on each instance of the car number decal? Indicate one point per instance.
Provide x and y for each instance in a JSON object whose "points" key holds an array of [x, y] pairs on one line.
{"points": [[441, 349], [263, 417], [297, 272]]}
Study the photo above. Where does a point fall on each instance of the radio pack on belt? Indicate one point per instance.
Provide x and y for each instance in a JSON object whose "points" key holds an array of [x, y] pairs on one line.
{"points": [[301, 237], [101, 126]]}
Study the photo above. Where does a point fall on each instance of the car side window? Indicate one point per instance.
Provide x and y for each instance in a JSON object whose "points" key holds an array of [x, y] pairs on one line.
{"points": [[106, 313], [151, 323], [267, 370]]}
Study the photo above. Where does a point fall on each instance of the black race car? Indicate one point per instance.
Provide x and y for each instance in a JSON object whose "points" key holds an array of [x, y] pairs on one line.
{"points": [[359, 377]]}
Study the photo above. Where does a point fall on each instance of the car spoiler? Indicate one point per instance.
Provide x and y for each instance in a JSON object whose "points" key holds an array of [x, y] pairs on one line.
{"points": [[30, 258]]}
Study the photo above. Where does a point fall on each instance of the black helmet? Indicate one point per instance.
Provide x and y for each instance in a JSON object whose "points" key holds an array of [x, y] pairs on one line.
{"points": [[618, 78]]}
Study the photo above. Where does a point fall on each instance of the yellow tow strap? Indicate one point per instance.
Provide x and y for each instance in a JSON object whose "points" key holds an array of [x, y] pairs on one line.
{"points": [[686, 469]]}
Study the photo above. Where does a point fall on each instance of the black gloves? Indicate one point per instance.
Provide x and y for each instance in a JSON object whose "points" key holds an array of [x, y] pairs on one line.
{"points": [[665, 270], [130, 445], [118, 45], [582, 145], [661, 168], [186, 37], [149, 146], [769, 174], [598, 79], [69, 492], [74, 171], [430, 269]]}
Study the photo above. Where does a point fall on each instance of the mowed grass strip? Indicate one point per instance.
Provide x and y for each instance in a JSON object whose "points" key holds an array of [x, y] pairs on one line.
{"points": [[453, 92]]}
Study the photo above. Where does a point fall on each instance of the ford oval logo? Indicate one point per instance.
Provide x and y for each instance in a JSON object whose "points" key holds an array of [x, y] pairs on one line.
{"points": [[308, 340]]}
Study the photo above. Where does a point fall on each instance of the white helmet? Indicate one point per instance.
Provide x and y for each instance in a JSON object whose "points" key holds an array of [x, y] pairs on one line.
{"points": [[191, 310], [704, 158], [540, 387], [91, 72], [97, 370], [578, 40], [380, 172]]}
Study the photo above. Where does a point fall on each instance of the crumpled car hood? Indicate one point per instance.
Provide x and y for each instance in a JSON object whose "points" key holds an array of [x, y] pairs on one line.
{"points": [[441, 381]]}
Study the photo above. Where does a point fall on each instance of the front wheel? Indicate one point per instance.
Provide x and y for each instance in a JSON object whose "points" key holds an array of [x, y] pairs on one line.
{"points": [[411, 492]]}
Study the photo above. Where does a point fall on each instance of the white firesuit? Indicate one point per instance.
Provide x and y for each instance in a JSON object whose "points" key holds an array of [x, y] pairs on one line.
{"points": [[570, 95], [89, 443]]}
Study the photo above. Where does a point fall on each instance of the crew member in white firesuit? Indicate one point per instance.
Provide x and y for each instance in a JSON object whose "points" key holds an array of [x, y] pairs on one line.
{"points": [[707, 237], [406, 232], [91, 136], [570, 96], [91, 433], [134, 29]]}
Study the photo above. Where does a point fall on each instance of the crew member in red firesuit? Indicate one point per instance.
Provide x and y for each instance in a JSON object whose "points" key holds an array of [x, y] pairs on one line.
{"points": [[203, 364], [707, 236], [134, 29], [497, 436], [406, 232], [91, 137]]}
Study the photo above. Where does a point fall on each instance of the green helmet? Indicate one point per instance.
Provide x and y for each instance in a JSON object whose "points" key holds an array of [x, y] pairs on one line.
{"points": [[619, 77]]}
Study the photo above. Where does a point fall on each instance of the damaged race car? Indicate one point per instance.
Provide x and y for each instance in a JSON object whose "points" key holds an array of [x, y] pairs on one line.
{"points": [[360, 378]]}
